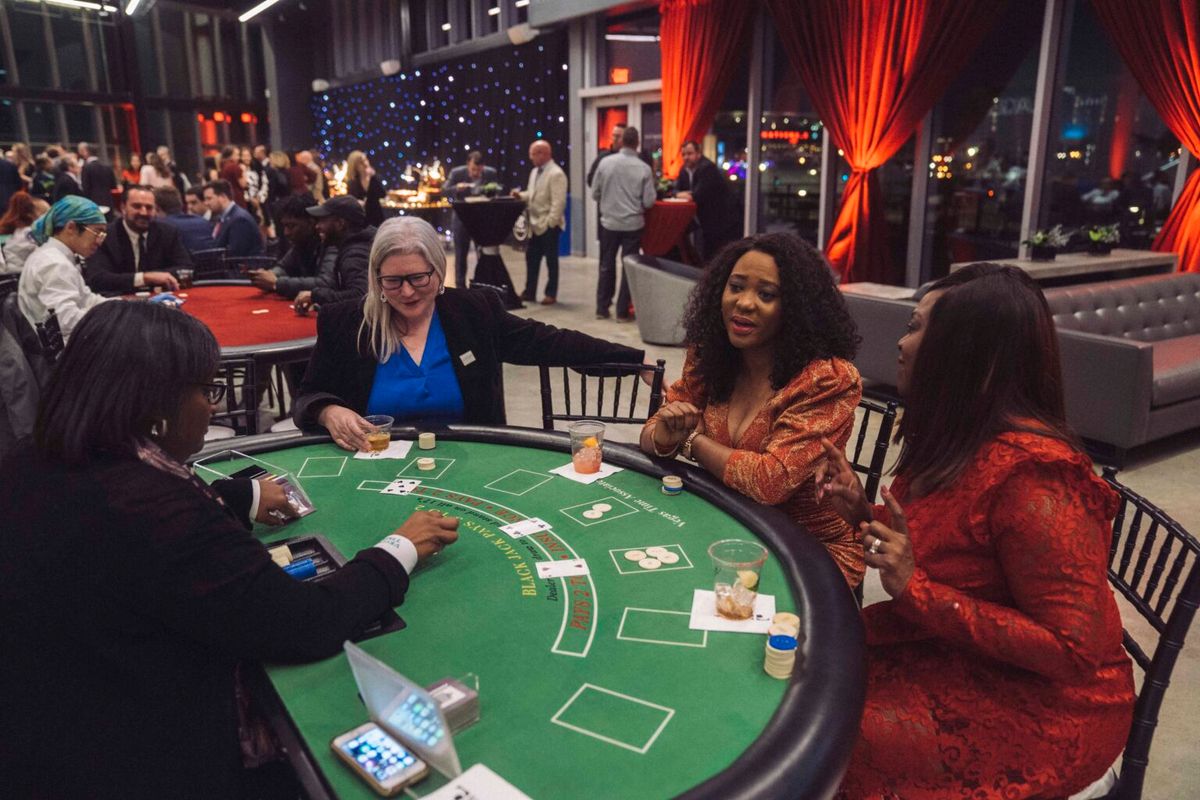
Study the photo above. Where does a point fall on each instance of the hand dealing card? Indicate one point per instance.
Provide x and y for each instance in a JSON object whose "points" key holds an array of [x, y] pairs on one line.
{"points": [[525, 527], [400, 486], [562, 569]]}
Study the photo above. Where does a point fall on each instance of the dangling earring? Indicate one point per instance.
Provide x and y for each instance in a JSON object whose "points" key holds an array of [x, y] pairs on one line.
{"points": [[159, 428], [382, 299]]}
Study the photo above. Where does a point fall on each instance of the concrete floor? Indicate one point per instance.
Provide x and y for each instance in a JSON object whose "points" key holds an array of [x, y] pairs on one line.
{"points": [[1165, 472]]}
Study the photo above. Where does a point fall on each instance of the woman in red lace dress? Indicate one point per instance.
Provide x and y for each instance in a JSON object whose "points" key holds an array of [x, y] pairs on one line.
{"points": [[767, 374], [996, 670]]}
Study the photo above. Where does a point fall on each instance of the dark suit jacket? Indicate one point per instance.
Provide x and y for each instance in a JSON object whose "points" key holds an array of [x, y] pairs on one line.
{"points": [[64, 185], [238, 234], [459, 175], [98, 182], [716, 211], [478, 331], [193, 229], [110, 269], [128, 596]]}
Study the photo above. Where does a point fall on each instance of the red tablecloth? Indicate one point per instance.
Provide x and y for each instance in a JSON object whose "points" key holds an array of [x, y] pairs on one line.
{"points": [[666, 223], [228, 312]]}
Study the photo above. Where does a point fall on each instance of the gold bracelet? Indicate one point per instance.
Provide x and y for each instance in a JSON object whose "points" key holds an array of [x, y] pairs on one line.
{"points": [[687, 445]]}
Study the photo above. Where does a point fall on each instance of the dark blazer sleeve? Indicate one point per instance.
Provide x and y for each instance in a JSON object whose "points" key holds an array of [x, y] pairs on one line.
{"points": [[337, 374], [109, 271], [239, 496], [173, 253], [204, 576], [243, 237]]}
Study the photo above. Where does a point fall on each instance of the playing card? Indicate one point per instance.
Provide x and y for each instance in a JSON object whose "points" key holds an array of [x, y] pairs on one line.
{"points": [[562, 569], [400, 486], [525, 527]]}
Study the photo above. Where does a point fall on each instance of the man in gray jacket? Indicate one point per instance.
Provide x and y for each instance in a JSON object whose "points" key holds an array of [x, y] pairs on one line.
{"points": [[624, 185]]}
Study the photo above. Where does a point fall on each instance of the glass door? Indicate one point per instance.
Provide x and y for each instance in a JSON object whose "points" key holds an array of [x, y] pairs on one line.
{"points": [[644, 112]]}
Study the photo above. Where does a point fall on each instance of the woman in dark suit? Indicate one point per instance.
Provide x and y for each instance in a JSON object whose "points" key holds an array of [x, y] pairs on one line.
{"points": [[415, 350], [130, 589]]}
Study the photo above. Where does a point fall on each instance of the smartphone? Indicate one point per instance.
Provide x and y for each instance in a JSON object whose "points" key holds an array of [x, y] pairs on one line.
{"points": [[379, 759]]}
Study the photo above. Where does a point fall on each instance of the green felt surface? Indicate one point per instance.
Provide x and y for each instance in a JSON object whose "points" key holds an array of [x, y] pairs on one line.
{"points": [[587, 688]]}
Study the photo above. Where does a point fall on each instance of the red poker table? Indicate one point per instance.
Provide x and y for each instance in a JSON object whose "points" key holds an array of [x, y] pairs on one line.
{"points": [[589, 686], [276, 333], [666, 222]]}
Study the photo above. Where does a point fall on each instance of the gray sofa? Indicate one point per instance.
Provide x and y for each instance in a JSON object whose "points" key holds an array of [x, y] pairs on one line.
{"points": [[1130, 354], [660, 290]]}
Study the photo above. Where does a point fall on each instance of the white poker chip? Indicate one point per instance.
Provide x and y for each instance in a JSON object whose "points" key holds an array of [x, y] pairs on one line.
{"points": [[657, 552], [668, 557], [603, 508], [634, 555], [649, 563], [593, 514]]}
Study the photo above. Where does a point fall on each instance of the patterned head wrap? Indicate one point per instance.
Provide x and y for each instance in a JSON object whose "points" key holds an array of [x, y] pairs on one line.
{"points": [[71, 208]]}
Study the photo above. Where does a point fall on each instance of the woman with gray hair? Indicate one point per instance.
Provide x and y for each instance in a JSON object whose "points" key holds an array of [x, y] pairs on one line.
{"points": [[418, 351]]}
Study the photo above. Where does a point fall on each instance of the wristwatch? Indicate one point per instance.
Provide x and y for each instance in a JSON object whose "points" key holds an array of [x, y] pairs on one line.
{"points": [[686, 450]]}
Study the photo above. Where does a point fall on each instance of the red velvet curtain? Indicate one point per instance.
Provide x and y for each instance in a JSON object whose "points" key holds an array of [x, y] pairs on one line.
{"points": [[873, 69], [1159, 40], [701, 41]]}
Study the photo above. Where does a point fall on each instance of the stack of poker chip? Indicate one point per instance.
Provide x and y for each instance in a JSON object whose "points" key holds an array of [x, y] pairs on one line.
{"points": [[672, 485], [782, 641]]}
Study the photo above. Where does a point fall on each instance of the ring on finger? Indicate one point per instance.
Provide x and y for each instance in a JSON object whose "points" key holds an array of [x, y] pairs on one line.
{"points": [[874, 548]]}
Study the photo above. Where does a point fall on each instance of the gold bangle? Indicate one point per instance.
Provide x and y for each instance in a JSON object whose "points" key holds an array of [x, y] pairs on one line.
{"points": [[654, 445], [687, 445]]}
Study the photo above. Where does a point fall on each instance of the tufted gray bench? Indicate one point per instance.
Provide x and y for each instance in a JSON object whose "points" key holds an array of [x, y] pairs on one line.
{"points": [[1131, 356]]}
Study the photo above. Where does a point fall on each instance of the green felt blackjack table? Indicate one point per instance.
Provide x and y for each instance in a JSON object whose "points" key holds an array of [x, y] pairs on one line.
{"points": [[589, 686]]}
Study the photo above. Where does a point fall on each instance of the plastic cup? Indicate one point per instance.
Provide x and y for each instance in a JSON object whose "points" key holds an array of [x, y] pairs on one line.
{"points": [[737, 564], [184, 276], [587, 446], [381, 435]]}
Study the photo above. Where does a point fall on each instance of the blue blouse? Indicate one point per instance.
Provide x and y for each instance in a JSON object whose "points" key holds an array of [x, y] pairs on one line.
{"points": [[429, 391]]}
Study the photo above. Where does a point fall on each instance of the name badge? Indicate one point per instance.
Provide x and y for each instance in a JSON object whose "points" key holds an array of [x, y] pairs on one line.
{"points": [[467, 358]]}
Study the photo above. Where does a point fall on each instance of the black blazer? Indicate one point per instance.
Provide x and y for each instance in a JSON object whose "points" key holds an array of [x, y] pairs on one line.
{"points": [[98, 181], [110, 269], [716, 207], [478, 331], [127, 597]]}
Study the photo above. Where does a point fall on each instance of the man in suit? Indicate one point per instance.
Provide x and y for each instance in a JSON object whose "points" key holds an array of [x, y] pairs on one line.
{"points": [[233, 227], [98, 179], [462, 182], [68, 180], [193, 230], [138, 250], [624, 185], [717, 219], [546, 195]]}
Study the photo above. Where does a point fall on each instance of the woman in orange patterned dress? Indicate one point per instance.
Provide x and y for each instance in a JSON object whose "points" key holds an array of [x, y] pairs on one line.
{"points": [[767, 375], [996, 670]]}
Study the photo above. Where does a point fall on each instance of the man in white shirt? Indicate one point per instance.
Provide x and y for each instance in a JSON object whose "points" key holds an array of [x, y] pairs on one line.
{"points": [[547, 198], [624, 185]]}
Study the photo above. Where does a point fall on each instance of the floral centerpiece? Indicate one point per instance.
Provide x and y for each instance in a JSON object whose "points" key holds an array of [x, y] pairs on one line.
{"points": [[491, 189], [1102, 238], [1044, 244]]}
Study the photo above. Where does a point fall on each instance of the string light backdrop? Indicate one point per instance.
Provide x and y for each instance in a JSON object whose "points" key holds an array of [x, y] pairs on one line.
{"points": [[496, 102]]}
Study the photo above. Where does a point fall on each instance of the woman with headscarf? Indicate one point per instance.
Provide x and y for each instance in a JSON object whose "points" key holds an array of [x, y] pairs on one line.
{"points": [[51, 280]]}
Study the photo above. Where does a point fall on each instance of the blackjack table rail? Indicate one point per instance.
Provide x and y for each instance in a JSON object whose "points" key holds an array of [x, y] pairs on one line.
{"points": [[589, 686]]}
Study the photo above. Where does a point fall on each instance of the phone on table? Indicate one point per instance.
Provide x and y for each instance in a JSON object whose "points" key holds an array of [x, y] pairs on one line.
{"points": [[380, 760]]}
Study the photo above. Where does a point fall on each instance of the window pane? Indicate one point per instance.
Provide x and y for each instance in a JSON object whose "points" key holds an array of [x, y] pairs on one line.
{"points": [[895, 179], [9, 131], [205, 56], [81, 123], [43, 129], [174, 43], [143, 38], [29, 46], [631, 48], [1108, 149], [187, 146], [790, 151], [68, 43], [981, 130]]}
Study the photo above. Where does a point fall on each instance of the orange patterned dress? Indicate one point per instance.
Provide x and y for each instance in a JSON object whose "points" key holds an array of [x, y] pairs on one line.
{"points": [[774, 461], [999, 672]]}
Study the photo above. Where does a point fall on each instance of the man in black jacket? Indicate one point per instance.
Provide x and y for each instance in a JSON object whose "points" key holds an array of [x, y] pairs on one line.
{"points": [[138, 249], [98, 178], [341, 223], [68, 180], [718, 219]]}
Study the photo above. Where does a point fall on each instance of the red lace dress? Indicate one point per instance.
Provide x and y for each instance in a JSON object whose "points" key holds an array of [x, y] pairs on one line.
{"points": [[774, 461], [999, 672]]}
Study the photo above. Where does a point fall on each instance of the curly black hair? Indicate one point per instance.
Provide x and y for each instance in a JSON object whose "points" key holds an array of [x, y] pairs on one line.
{"points": [[815, 324]]}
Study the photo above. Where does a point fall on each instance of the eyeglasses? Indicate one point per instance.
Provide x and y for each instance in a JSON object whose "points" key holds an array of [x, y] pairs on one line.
{"points": [[213, 392], [100, 233], [417, 280]]}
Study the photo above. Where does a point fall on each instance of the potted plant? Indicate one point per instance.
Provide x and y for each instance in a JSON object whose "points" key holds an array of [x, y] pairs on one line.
{"points": [[491, 189], [663, 187], [1102, 238], [1043, 245]]}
